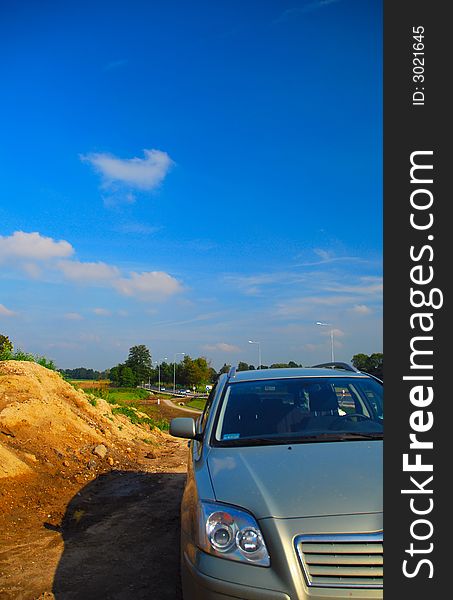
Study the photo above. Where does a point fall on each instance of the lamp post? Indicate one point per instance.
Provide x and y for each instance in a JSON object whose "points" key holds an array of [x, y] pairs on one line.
{"points": [[331, 337], [174, 369], [158, 363], [259, 352]]}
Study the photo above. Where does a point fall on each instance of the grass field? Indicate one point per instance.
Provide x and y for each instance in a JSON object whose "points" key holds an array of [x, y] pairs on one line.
{"points": [[197, 403]]}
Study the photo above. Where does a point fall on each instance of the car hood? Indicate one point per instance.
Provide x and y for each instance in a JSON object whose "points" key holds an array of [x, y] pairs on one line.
{"points": [[301, 480]]}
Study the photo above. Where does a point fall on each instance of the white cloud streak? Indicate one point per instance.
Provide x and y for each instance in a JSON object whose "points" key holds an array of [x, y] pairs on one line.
{"points": [[222, 346], [148, 285], [73, 316], [102, 312], [6, 312], [362, 309], [137, 173]]}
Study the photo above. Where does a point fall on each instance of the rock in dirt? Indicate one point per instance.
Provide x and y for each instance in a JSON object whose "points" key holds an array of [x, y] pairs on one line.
{"points": [[100, 451]]}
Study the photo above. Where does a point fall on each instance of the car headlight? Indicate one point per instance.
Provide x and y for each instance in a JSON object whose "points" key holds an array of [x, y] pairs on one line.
{"points": [[231, 533]]}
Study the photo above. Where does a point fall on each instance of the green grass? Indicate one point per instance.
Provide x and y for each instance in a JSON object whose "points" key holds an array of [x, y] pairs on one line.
{"points": [[128, 393], [199, 403], [8, 354]]}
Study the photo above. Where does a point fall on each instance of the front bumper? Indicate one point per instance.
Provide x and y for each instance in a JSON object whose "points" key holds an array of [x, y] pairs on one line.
{"points": [[199, 586], [207, 577]]}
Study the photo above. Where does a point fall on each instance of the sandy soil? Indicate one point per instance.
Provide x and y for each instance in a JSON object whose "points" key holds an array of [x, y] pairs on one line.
{"points": [[74, 524]]}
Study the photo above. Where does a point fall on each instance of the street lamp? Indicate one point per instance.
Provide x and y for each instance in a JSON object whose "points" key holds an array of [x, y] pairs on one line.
{"points": [[174, 369], [158, 363], [331, 337], [259, 352]]}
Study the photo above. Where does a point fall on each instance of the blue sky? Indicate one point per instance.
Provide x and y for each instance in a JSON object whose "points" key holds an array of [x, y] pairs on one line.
{"points": [[191, 176]]}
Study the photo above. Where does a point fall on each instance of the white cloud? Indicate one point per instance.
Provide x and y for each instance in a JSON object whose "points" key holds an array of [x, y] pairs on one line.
{"points": [[367, 286], [88, 271], [151, 285], [326, 257], [73, 316], [222, 346], [33, 270], [6, 312], [33, 246], [362, 309], [31, 249], [112, 200], [102, 312], [148, 285], [308, 304], [252, 285], [140, 173]]}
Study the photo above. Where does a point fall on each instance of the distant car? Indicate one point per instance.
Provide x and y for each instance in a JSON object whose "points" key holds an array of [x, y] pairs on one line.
{"points": [[283, 498], [162, 389]]}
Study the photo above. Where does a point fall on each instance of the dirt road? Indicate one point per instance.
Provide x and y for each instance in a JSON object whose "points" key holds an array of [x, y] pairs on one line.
{"points": [[185, 409], [115, 538]]}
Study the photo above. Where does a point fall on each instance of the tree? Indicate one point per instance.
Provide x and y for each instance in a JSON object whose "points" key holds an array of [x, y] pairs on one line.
{"points": [[373, 364], [166, 372], [115, 374], [293, 365], [242, 366], [139, 360], [213, 375], [203, 370], [6, 347], [83, 373], [194, 371], [189, 371], [377, 364], [127, 378]]}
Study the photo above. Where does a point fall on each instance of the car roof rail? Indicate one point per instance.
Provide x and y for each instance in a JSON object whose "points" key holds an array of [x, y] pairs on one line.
{"points": [[337, 365], [232, 372]]}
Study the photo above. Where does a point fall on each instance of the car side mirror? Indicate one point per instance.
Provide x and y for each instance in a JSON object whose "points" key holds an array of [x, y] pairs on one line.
{"points": [[183, 427]]}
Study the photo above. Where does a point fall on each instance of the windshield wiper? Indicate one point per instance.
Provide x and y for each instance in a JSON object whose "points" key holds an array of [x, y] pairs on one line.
{"points": [[375, 435], [251, 441], [337, 436]]}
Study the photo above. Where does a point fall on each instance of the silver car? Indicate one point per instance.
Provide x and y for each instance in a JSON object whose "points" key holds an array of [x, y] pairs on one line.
{"points": [[283, 498]]}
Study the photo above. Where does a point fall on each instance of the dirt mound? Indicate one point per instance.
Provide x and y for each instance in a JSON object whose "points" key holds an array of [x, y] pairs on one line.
{"points": [[67, 463], [46, 424], [54, 438]]}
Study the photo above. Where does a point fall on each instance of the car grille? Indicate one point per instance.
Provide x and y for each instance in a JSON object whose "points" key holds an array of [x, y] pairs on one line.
{"points": [[342, 561]]}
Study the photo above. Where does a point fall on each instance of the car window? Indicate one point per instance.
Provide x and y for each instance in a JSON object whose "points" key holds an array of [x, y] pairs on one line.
{"points": [[204, 417], [294, 408]]}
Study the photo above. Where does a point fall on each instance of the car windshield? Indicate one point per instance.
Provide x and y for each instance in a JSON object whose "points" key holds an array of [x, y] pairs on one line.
{"points": [[300, 409]]}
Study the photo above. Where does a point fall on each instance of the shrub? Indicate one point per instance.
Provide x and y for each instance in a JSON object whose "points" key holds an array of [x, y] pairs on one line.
{"points": [[7, 352]]}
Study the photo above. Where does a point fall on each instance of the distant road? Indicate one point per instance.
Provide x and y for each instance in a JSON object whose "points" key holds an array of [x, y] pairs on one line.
{"points": [[170, 392]]}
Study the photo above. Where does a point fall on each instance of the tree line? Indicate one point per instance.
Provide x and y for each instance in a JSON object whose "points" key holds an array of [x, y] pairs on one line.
{"points": [[139, 368], [84, 373]]}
